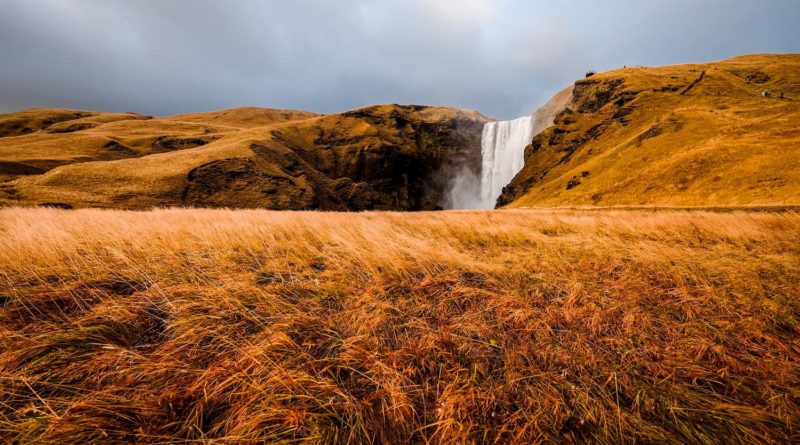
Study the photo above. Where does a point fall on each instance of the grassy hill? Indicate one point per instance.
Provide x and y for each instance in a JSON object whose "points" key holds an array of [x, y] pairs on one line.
{"points": [[37, 140], [514, 326], [686, 135], [389, 156]]}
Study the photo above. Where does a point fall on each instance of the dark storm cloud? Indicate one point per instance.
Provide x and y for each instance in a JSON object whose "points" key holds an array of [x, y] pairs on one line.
{"points": [[500, 57]]}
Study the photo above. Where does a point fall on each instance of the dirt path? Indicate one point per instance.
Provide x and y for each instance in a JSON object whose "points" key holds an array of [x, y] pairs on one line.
{"points": [[694, 83]]}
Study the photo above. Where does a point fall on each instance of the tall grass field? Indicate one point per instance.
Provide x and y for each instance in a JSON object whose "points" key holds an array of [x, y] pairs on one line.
{"points": [[512, 326]]}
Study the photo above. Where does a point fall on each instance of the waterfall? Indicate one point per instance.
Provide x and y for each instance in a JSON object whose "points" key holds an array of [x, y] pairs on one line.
{"points": [[502, 151], [502, 157]]}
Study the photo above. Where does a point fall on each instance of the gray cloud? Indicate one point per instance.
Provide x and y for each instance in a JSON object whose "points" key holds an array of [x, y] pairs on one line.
{"points": [[501, 57]]}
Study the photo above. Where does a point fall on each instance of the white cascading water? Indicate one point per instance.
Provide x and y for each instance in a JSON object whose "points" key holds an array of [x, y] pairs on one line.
{"points": [[503, 153], [503, 156]]}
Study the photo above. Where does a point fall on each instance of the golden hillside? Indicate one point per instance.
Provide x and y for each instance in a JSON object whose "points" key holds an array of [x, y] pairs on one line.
{"points": [[388, 156], [686, 135], [37, 140], [513, 326]]}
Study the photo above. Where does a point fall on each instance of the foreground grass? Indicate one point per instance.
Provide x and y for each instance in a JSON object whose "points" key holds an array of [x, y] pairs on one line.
{"points": [[449, 327]]}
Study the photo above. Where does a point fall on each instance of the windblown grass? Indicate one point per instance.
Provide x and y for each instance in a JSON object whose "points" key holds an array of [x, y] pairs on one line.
{"points": [[451, 327]]}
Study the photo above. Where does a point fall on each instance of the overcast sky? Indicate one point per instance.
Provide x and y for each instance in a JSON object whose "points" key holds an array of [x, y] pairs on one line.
{"points": [[501, 57]]}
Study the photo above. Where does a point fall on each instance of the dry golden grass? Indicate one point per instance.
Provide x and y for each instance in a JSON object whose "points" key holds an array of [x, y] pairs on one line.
{"points": [[455, 327]]}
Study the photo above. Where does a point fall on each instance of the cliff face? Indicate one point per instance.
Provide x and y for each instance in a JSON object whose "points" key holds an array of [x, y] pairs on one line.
{"points": [[687, 135], [383, 157], [396, 154]]}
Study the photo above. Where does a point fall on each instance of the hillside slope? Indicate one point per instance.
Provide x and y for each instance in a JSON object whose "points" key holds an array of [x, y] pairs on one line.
{"points": [[687, 135], [37, 140], [380, 157]]}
